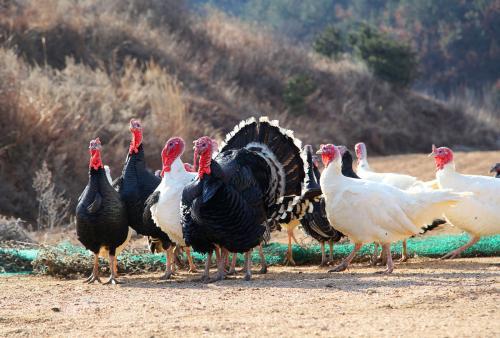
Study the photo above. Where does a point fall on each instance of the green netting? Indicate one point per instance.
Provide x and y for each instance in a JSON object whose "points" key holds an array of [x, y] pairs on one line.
{"points": [[68, 260]]}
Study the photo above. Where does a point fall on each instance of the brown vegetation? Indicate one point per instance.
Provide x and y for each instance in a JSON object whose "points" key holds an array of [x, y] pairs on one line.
{"points": [[71, 71]]}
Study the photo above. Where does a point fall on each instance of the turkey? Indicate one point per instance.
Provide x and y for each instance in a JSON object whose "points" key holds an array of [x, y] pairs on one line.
{"points": [[310, 212], [164, 203], [314, 222], [365, 172], [403, 182], [135, 185], [478, 215], [496, 169], [101, 217], [231, 199], [368, 211]]}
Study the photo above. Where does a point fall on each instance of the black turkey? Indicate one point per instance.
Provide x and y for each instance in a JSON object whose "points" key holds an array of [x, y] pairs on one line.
{"points": [[230, 202], [101, 216], [135, 185]]}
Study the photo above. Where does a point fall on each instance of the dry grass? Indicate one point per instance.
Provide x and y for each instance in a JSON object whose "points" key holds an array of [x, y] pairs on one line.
{"points": [[74, 70]]}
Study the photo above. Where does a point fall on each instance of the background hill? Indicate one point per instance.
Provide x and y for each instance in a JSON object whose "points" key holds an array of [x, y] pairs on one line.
{"points": [[457, 42], [74, 70]]}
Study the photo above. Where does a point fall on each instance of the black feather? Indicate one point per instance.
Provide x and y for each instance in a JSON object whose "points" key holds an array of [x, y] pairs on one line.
{"points": [[230, 207], [135, 185], [101, 217]]}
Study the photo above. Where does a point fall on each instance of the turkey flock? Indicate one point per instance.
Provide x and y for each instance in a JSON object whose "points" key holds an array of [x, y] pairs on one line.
{"points": [[259, 180]]}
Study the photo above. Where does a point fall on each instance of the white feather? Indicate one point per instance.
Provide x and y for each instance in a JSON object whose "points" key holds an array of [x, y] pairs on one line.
{"points": [[480, 214], [166, 213], [373, 212]]}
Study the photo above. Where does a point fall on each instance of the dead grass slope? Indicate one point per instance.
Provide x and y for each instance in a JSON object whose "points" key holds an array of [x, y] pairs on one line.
{"points": [[74, 70]]}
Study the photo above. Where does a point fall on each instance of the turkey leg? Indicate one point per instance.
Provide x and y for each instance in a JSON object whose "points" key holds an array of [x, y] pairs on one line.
{"points": [[323, 254], [374, 258], [404, 254], [457, 252], [331, 252], [248, 265], [232, 270], [289, 256], [390, 265], [94, 276], [192, 266], [263, 263], [168, 268], [112, 279]]}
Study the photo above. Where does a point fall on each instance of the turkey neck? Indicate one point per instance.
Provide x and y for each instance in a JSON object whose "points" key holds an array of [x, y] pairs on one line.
{"points": [[176, 169], [347, 166], [97, 183], [363, 164], [331, 173]]}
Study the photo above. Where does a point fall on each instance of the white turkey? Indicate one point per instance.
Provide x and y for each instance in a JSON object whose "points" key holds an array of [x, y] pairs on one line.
{"points": [[400, 181], [365, 172], [368, 211], [479, 215], [164, 202]]}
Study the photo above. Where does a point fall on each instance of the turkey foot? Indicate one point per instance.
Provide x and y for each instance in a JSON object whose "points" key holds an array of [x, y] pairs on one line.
{"points": [[221, 269], [457, 252], [345, 263], [263, 263], [94, 276], [205, 277], [341, 267], [168, 264], [112, 279]]}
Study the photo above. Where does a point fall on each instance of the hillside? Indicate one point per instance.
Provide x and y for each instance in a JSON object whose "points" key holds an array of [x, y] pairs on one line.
{"points": [[71, 71]]}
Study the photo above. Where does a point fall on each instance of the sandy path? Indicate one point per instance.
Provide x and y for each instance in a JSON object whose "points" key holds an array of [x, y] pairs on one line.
{"points": [[422, 297]]}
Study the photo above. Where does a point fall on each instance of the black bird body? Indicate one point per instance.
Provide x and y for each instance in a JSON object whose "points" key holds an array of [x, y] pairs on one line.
{"points": [[258, 164], [496, 168], [101, 216], [228, 204], [135, 185]]}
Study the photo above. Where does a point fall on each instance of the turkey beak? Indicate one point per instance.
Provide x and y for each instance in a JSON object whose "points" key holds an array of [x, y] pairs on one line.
{"points": [[319, 152]]}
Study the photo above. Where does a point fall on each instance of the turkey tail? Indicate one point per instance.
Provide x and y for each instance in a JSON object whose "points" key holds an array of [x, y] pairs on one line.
{"points": [[280, 149], [434, 225], [434, 203]]}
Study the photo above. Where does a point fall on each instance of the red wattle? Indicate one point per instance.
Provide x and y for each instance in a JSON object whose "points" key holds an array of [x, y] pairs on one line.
{"points": [[326, 158], [136, 141], [95, 160], [205, 160]]}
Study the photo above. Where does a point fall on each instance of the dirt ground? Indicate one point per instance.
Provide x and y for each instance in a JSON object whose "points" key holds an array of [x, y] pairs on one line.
{"points": [[423, 297]]}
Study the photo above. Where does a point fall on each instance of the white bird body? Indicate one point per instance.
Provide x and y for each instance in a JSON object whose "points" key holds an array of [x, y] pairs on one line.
{"points": [[166, 212], [364, 171], [396, 180], [480, 214], [375, 212]]}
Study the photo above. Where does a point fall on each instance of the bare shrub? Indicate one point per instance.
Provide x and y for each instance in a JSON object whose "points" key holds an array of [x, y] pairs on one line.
{"points": [[53, 207]]}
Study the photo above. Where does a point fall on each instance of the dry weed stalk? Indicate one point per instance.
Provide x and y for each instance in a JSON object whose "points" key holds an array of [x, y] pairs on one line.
{"points": [[53, 207]]}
